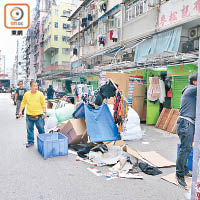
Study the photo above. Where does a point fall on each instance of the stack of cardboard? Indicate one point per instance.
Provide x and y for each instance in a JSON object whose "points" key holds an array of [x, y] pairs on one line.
{"points": [[75, 130], [138, 100]]}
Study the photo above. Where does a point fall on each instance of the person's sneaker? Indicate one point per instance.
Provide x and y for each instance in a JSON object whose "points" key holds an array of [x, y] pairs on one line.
{"points": [[188, 174], [17, 116], [181, 181], [29, 145]]}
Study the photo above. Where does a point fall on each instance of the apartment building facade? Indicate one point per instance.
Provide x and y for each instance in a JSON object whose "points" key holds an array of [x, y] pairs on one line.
{"points": [[105, 32], [34, 41]]}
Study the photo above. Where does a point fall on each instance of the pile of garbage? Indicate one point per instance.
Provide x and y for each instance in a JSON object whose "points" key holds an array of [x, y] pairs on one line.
{"points": [[96, 133]]}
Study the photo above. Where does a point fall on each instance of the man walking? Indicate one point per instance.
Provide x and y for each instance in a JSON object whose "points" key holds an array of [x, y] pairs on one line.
{"points": [[35, 111], [50, 92], [18, 98], [186, 129]]}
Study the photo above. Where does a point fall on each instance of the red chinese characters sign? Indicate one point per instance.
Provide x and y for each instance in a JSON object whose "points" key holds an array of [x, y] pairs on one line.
{"points": [[176, 11], [181, 70]]}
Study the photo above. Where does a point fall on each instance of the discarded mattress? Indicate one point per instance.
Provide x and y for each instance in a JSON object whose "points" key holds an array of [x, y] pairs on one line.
{"points": [[100, 124]]}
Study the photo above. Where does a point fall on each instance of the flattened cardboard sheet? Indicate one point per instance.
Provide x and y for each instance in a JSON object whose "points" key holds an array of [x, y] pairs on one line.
{"points": [[152, 158], [171, 178], [156, 159]]}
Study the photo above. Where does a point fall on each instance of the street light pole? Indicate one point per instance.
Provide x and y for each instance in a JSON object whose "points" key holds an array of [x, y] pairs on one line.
{"points": [[79, 29], [195, 171]]}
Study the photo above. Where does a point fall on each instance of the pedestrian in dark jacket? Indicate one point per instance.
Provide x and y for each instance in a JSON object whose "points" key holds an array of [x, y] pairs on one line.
{"points": [[186, 128], [50, 92]]}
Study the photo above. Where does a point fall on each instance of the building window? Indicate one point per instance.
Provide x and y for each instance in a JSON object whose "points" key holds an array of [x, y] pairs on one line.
{"points": [[74, 24], [64, 26], [64, 38], [116, 20], [66, 13], [135, 9], [65, 50], [56, 24], [55, 37], [56, 12]]}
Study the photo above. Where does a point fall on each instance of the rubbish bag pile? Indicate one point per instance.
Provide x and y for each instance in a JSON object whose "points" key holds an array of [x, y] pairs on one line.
{"points": [[96, 133]]}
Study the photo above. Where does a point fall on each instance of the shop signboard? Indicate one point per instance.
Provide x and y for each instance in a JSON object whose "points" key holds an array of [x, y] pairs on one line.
{"points": [[176, 12], [182, 70]]}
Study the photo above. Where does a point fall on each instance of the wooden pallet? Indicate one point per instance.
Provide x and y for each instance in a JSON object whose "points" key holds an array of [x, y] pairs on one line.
{"points": [[167, 120]]}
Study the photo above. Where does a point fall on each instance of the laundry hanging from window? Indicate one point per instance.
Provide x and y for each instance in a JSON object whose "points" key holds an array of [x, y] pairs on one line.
{"points": [[111, 34], [115, 36], [90, 18], [75, 52], [102, 40], [103, 5], [84, 22]]}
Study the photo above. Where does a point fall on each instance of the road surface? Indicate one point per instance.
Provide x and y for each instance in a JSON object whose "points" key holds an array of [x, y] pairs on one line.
{"points": [[25, 175]]}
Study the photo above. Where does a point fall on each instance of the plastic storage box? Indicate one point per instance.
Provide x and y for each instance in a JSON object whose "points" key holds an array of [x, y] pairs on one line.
{"points": [[190, 158], [52, 144]]}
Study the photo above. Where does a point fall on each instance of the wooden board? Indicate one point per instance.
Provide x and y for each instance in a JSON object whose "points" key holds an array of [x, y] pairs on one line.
{"points": [[173, 122], [163, 117], [167, 120]]}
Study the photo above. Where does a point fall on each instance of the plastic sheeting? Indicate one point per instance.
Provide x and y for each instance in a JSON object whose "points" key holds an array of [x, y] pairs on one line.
{"points": [[52, 122], [133, 130], [64, 113], [166, 41], [100, 124]]}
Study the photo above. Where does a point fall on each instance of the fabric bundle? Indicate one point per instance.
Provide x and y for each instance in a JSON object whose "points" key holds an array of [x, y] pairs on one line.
{"points": [[154, 89]]}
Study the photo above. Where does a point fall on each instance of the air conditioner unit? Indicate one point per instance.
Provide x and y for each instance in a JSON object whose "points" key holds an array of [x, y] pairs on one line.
{"points": [[198, 31], [193, 33], [188, 47]]}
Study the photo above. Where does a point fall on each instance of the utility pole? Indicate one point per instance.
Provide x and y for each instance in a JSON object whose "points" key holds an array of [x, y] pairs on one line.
{"points": [[195, 170], [79, 45]]}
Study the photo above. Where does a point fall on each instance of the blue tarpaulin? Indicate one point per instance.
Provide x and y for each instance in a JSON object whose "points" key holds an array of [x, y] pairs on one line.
{"points": [[79, 112], [166, 41], [100, 124]]}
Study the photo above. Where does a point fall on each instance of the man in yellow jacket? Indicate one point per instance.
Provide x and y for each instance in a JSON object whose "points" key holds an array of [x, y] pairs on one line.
{"points": [[34, 101]]}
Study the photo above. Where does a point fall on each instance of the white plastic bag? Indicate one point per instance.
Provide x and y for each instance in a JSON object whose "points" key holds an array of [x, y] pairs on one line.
{"points": [[132, 130], [52, 122]]}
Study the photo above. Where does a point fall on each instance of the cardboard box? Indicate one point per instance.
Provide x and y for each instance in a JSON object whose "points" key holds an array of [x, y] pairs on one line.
{"points": [[63, 124], [121, 79], [139, 90], [49, 104], [144, 113], [75, 130], [138, 105]]}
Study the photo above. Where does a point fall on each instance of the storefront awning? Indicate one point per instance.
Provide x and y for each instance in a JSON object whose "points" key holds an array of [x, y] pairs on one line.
{"points": [[163, 42]]}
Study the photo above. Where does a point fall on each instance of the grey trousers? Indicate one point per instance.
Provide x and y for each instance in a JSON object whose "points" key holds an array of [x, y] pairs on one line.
{"points": [[18, 107]]}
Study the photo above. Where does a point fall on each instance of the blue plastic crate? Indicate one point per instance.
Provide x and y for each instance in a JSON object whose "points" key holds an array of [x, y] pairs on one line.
{"points": [[190, 158], [52, 144]]}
